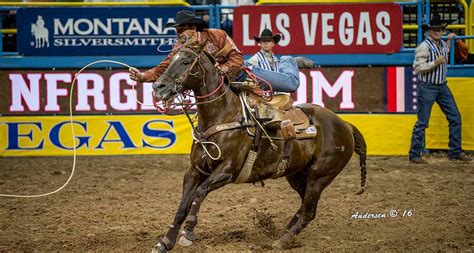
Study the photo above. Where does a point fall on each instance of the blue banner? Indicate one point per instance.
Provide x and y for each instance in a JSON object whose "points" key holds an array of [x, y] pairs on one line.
{"points": [[89, 31]]}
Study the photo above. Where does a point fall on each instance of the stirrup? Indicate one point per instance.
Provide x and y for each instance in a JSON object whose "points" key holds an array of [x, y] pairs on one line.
{"points": [[273, 124]]}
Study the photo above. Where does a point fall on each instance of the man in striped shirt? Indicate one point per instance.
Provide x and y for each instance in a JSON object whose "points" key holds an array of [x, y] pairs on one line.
{"points": [[283, 73], [430, 65]]}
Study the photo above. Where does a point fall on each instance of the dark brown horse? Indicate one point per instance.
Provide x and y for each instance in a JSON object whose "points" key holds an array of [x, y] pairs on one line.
{"points": [[313, 163]]}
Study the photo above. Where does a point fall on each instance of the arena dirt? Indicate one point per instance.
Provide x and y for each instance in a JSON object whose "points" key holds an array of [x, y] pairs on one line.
{"points": [[124, 203]]}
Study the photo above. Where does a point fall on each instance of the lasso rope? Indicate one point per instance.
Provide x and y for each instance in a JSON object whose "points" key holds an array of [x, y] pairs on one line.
{"points": [[73, 134]]}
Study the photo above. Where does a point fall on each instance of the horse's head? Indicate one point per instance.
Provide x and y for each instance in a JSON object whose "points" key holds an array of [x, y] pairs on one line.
{"points": [[183, 72]]}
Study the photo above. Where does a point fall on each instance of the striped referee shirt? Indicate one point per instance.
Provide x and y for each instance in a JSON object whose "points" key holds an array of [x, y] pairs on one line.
{"points": [[424, 63], [265, 60]]}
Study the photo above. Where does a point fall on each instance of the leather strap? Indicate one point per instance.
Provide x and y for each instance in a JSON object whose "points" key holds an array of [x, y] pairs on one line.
{"points": [[219, 128]]}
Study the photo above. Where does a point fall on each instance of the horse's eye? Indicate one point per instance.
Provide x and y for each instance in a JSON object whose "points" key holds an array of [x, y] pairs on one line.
{"points": [[185, 62]]}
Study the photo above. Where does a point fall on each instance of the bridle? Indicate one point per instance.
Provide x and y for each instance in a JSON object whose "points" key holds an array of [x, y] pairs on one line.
{"points": [[178, 85]]}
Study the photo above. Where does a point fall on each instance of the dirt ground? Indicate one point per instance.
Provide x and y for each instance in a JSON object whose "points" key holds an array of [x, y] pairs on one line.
{"points": [[124, 203]]}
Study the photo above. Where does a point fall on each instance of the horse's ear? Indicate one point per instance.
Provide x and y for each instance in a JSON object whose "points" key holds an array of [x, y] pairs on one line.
{"points": [[198, 48]]}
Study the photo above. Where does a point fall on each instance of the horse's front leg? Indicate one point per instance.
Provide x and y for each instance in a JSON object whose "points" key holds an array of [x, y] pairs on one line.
{"points": [[192, 179], [220, 177]]}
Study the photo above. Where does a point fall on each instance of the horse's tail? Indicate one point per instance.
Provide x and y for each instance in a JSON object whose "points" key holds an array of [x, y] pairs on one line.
{"points": [[360, 149]]}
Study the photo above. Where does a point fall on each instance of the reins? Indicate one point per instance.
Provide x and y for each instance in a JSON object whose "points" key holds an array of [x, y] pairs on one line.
{"points": [[198, 136], [182, 78]]}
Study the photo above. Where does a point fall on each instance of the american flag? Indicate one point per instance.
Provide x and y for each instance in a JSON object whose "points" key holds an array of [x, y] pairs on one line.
{"points": [[401, 89]]}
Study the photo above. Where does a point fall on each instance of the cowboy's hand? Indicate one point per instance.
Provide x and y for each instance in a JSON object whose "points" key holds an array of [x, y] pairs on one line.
{"points": [[222, 69], [440, 60], [451, 35], [135, 74]]}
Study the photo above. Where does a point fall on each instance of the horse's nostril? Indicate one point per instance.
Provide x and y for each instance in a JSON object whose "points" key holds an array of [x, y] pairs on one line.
{"points": [[157, 86]]}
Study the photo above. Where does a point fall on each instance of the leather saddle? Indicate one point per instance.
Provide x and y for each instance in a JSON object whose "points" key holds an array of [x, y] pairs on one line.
{"points": [[279, 113]]}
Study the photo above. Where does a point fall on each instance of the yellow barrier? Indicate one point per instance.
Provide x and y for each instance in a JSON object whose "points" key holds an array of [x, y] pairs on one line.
{"points": [[390, 134], [385, 134], [437, 133], [95, 135], [153, 134], [8, 31]]}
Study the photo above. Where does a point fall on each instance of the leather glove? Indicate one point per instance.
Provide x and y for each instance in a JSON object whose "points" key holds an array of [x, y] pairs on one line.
{"points": [[135, 74]]}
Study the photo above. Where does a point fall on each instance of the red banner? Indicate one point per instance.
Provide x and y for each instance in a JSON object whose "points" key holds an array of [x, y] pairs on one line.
{"points": [[44, 92], [322, 29]]}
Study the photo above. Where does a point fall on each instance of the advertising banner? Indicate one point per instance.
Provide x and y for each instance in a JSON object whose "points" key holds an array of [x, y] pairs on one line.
{"points": [[385, 134], [28, 135], [94, 135], [95, 31], [112, 92], [322, 28]]}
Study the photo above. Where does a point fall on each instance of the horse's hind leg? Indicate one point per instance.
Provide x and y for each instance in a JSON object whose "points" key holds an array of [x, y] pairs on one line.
{"points": [[298, 182], [307, 211], [191, 180]]}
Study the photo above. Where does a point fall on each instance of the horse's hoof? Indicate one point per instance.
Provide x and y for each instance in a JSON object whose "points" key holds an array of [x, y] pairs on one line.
{"points": [[277, 245], [187, 238], [283, 243], [159, 248], [184, 242]]}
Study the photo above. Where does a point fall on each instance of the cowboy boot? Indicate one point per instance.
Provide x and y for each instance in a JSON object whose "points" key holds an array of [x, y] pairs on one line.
{"points": [[305, 63]]}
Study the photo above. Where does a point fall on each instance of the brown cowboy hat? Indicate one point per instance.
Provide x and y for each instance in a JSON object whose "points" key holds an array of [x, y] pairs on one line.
{"points": [[434, 23], [186, 17], [267, 34]]}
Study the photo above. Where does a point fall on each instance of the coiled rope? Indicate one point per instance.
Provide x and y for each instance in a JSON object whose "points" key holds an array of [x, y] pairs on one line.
{"points": [[73, 134]]}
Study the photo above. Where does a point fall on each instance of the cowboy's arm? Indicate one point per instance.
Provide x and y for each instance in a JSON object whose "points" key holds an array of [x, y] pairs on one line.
{"points": [[153, 74], [234, 63], [234, 57], [421, 64]]}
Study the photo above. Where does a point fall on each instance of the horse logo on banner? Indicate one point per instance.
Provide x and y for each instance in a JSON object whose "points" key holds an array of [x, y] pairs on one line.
{"points": [[40, 32]]}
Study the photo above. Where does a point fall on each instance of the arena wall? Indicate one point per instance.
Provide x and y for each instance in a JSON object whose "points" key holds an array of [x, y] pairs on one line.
{"points": [[375, 90], [385, 133]]}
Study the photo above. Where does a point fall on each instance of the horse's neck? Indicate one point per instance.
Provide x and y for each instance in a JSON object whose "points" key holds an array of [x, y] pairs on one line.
{"points": [[224, 109]]}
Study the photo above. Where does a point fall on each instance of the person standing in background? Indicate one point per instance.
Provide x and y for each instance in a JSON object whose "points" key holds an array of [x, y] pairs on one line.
{"points": [[430, 65]]}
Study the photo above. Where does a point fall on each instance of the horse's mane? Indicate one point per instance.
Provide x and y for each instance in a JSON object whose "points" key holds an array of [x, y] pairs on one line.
{"points": [[211, 58]]}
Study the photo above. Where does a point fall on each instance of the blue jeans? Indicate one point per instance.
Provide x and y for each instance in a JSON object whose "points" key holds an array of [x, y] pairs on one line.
{"points": [[287, 79], [428, 94]]}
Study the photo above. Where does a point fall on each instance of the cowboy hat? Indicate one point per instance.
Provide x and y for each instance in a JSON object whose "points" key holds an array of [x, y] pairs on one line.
{"points": [[434, 23], [186, 17], [267, 34]]}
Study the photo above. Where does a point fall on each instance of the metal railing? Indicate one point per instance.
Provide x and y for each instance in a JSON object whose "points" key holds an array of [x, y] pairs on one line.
{"points": [[452, 52], [416, 12]]}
